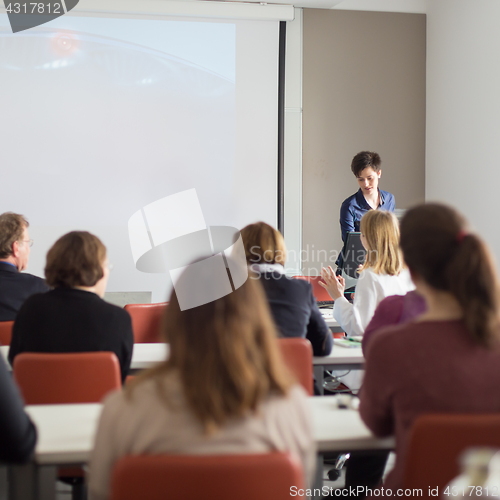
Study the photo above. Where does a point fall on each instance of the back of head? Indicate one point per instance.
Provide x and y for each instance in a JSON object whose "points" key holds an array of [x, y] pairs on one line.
{"points": [[263, 244], [437, 246], [381, 232], [75, 259], [365, 159], [11, 229], [225, 353]]}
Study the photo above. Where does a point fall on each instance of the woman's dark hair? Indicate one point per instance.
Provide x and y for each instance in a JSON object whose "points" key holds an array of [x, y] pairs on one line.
{"points": [[437, 245], [365, 159], [75, 259]]}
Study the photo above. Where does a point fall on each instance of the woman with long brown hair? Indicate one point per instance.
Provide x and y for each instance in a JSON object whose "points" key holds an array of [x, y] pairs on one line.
{"points": [[447, 359], [223, 390]]}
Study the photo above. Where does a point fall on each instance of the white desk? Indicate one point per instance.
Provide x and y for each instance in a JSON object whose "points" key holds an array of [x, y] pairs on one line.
{"points": [[341, 358], [331, 323], [66, 435]]}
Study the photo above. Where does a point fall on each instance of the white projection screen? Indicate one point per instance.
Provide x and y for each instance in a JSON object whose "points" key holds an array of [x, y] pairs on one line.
{"points": [[101, 116]]}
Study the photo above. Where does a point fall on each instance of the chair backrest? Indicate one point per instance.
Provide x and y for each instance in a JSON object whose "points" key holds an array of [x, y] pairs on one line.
{"points": [[319, 292], [146, 321], [6, 332], [297, 353], [437, 441], [58, 378], [224, 477]]}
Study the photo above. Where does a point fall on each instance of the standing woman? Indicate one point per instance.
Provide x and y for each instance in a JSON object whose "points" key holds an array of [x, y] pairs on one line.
{"points": [[366, 168], [73, 317], [223, 390], [447, 360], [382, 274]]}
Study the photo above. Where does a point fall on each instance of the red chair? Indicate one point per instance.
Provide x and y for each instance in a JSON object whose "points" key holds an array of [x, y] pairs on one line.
{"points": [[319, 292], [6, 332], [267, 476], [436, 442], [146, 321], [57, 378], [297, 353]]}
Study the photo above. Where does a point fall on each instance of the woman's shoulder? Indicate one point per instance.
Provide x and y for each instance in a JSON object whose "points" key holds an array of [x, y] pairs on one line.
{"points": [[295, 399]]}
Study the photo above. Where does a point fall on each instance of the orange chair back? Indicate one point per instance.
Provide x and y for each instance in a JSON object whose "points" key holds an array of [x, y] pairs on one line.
{"points": [[297, 353], [58, 378], [224, 477], [146, 321], [319, 292], [437, 441], [6, 332]]}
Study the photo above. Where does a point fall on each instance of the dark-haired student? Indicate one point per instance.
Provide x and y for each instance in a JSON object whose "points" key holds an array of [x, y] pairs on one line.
{"points": [[452, 348], [73, 317], [292, 302], [366, 167]]}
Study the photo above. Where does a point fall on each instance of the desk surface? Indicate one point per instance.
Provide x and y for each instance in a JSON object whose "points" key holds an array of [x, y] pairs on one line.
{"points": [[66, 432]]}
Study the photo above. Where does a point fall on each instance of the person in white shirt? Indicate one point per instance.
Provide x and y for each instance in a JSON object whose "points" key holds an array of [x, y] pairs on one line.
{"points": [[383, 273]]}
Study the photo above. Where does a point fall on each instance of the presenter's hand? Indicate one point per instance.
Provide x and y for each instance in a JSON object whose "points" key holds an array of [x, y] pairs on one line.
{"points": [[334, 285]]}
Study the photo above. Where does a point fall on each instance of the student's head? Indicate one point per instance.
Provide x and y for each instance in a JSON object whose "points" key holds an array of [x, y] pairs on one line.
{"points": [[77, 259], [14, 239], [380, 237], [225, 353], [263, 244], [439, 249], [366, 167]]}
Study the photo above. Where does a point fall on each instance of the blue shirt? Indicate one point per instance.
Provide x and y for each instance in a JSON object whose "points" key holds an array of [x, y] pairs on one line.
{"points": [[354, 207]]}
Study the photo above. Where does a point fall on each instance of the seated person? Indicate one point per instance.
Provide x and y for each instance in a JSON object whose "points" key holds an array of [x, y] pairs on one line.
{"points": [[394, 310], [366, 168], [292, 302], [17, 432], [223, 390], [382, 274], [447, 359], [73, 317], [15, 286]]}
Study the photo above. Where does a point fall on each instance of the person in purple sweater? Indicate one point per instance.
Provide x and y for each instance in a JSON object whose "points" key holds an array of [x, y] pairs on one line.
{"points": [[394, 310], [446, 360]]}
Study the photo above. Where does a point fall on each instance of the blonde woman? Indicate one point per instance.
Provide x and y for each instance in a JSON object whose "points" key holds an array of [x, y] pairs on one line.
{"points": [[383, 273], [223, 390], [292, 302]]}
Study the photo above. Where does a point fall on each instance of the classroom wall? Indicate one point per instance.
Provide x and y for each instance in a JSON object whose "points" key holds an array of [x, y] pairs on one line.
{"points": [[363, 88], [463, 110]]}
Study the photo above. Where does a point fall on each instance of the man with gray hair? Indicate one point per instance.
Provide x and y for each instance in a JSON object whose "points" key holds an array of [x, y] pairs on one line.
{"points": [[15, 286]]}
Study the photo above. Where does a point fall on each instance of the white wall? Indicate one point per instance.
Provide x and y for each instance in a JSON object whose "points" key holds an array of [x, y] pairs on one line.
{"points": [[463, 110]]}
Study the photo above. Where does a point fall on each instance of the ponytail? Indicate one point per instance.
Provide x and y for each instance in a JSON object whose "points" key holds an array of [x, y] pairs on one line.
{"points": [[472, 280], [437, 246]]}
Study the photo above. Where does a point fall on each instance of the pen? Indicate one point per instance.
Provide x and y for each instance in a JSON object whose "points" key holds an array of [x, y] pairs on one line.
{"points": [[352, 340]]}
